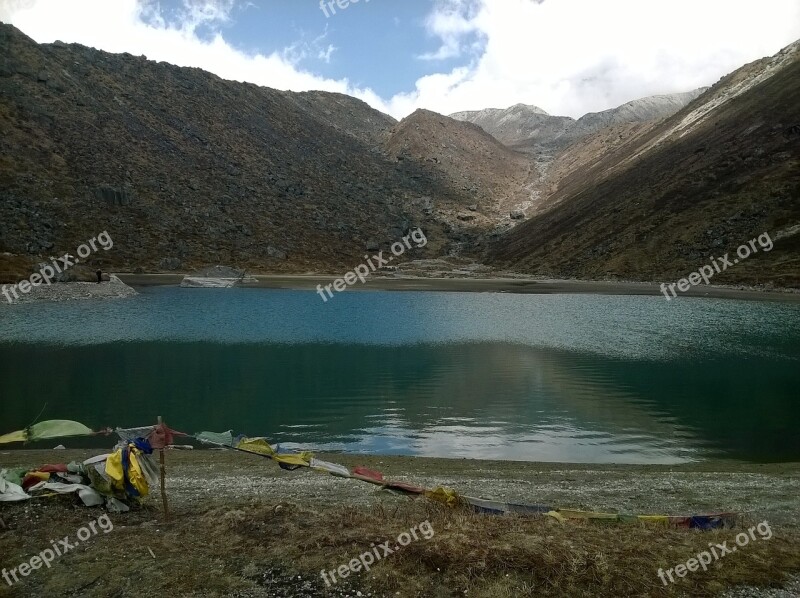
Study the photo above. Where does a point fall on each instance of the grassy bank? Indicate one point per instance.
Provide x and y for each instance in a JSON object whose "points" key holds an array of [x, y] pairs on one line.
{"points": [[243, 527]]}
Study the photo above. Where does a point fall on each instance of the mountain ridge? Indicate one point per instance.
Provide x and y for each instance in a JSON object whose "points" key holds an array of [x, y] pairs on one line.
{"points": [[527, 127], [184, 169], [721, 171], [191, 169]]}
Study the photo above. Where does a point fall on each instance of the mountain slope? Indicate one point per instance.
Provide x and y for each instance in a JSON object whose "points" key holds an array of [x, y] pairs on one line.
{"points": [[530, 128], [720, 172], [521, 126], [648, 109], [184, 169], [463, 156]]}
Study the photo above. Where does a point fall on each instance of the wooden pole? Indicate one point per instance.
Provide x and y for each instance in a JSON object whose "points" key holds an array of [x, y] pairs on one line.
{"points": [[163, 478]]}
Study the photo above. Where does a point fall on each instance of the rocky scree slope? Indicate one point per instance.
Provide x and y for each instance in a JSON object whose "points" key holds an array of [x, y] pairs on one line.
{"points": [[185, 169], [546, 138], [463, 156], [663, 199]]}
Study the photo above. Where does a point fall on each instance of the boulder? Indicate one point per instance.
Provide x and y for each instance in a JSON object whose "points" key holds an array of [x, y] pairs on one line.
{"points": [[170, 263], [115, 196], [276, 253]]}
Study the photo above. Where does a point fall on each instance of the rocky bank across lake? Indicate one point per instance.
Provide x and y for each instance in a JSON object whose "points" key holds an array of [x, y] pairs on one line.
{"points": [[70, 291]]}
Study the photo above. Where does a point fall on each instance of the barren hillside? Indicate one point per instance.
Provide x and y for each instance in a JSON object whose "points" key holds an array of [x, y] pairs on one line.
{"points": [[462, 156], [656, 205], [531, 129], [185, 169]]}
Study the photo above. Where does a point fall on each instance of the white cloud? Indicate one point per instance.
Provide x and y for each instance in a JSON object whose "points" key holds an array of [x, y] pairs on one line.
{"points": [[325, 55], [140, 27], [452, 21], [576, 56], [566, 56]]}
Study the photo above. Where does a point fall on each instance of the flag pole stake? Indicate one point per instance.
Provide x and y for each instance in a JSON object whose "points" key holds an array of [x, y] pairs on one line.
{"points": [[163, 478]]}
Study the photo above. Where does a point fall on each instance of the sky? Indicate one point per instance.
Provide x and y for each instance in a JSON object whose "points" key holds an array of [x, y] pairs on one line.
{"points": [[568, 57]]}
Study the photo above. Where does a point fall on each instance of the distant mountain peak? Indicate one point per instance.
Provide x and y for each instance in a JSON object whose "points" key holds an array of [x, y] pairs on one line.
{"points": [[528, 108], [528, 127], [468, 115]]}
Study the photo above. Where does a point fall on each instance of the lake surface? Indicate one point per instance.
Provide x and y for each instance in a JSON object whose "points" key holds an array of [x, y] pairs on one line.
{"points": [[575, 378]]}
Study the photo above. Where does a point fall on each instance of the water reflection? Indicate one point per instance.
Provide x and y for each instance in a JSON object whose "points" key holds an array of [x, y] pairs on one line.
{"points": [[550, 378], [476, 400]]}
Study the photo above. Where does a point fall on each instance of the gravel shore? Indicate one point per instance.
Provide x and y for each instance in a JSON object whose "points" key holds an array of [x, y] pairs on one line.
{"points": [[770, 491], [293, 521], [71, 291], [421, 281]]}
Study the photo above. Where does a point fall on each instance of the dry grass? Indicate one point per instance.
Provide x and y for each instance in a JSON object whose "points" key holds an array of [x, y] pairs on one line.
{"points": [[260, 549], [507, 556], [245, 528]]}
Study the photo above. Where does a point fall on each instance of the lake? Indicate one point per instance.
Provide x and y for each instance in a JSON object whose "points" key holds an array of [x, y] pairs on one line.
{"points": [[573, 378]]}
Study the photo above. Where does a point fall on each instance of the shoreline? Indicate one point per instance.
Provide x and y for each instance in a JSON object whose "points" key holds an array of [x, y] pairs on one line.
{"points": [[73, 291], [523, 286], [242, 526], [126, 283], [702, 486]]}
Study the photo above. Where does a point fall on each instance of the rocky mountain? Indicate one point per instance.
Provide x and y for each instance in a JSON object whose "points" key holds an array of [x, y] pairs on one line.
{"points": [[462, 156], [530, 128], [520, 127], [184, 169], [655, 201], [648, 109]]}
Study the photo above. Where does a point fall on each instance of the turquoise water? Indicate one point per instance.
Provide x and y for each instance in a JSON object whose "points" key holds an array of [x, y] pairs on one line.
{"points": [[577, 378]]}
